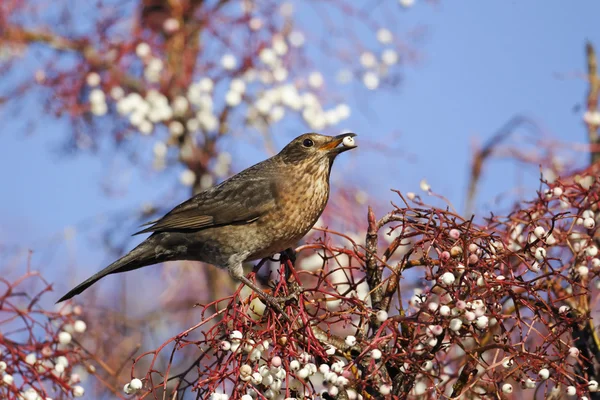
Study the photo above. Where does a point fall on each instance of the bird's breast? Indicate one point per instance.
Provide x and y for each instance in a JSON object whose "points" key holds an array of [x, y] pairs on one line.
{"points": [[307, 200], [300, 203]]}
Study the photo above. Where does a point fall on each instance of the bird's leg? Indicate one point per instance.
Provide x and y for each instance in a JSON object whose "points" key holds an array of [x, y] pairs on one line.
{"points": [[293, 285], [290, 254], [270, 300], [237, 273], [264, 295]]}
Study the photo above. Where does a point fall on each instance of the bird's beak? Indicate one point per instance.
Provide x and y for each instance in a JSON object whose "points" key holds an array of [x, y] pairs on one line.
{"points": [[336, 145]]}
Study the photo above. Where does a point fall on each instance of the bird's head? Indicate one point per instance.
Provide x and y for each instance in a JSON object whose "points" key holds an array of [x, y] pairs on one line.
{"points": [[314, 148]]}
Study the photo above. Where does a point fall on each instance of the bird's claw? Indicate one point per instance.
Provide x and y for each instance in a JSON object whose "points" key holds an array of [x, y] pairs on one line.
{"points": [[284, 299], [290, 254], [277, 303]]}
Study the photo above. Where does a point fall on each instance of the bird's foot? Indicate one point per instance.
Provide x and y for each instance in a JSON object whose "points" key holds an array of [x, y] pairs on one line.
{"points": [[271, 300], [276, 303], [293, 295], [290, 254]]}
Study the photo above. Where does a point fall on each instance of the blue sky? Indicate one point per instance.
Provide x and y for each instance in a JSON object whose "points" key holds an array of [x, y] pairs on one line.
{"points": [[482, 63]]}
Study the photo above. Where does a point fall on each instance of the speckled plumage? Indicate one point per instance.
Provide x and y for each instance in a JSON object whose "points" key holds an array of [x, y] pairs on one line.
{"points": [[261, 211]]}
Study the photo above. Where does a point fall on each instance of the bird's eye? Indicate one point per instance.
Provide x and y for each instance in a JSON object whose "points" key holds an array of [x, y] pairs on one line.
{"points": [[308, 143]]}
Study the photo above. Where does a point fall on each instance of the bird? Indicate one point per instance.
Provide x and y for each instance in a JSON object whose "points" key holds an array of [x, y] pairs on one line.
{"points": [[263, 210]]}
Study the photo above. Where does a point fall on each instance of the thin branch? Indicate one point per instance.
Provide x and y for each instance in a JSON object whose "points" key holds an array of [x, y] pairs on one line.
{"points": [[81, 46], [592, 103]]}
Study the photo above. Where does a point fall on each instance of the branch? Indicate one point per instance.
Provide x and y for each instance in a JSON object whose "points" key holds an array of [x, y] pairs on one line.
{"points": [[63, 44], [374, 272], [483, 154], [591, 117]]}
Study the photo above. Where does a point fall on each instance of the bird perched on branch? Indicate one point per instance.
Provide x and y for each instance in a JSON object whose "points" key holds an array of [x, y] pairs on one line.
{"points": [[261, 211]]}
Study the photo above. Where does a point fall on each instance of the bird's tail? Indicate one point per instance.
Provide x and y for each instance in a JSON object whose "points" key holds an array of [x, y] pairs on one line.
{"points": [[139, 257]]}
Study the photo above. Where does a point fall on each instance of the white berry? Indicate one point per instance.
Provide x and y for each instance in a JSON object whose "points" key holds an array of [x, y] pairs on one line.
{"points": [[539, 232], [591, 251], [540, 253], [456, 324], [350, 340], [482, 322], [294, 365], [529, 383], [225, 345], [376, 354], [136, 384], [447, 278], [79, 326], [382, 315], [444, 310], [385, 389], [64, 338], [348, 141], [574, 352], [302, 373], [31, 358], [78, 391]]}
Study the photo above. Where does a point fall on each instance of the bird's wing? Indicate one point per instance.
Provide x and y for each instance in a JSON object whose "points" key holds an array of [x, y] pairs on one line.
{"points": [[236, 201]]}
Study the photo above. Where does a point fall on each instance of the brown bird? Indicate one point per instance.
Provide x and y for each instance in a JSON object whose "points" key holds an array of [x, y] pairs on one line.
{"points": [[261, 211]]}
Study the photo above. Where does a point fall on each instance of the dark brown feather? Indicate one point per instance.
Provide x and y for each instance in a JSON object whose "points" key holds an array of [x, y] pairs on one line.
{"points": [[243, 202]]}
